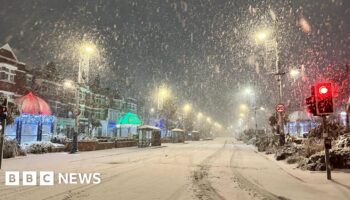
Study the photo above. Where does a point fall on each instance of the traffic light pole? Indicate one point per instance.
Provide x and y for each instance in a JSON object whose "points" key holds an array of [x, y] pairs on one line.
{"points": [[326, 148], [2, 137]]}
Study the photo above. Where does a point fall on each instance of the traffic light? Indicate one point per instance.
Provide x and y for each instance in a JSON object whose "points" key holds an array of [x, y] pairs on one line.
{"points": [[3, 110], [311, 102], [324, 98]]}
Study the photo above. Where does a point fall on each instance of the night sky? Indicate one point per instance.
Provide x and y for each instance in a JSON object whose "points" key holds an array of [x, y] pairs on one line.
{"points": [[203, 50]]}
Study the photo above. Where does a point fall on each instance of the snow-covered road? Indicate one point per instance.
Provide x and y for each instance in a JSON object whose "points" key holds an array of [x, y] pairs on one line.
{"points": [[219, 169]]}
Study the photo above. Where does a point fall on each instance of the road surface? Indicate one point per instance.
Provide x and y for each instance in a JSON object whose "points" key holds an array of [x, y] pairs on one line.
{"points": [[218, 169]]}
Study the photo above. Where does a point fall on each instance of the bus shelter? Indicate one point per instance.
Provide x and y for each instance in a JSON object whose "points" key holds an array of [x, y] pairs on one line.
{"points": [[195, 135], [148, 136], [177, 135]]}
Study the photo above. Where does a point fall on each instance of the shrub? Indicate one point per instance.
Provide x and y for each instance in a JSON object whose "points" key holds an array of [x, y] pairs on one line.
{"points": [[295, 159], [60, 138], [40, 147], [312, 146], [86, 138], [12, 149]]}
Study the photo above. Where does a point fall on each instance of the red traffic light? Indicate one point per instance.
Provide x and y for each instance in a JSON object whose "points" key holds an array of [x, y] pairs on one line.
{"points": [[3, 109], [323, 90], [324, 98]]}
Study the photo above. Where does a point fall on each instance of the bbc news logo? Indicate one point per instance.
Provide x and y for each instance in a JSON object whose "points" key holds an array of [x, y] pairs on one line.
{"points": [[49, 178]]}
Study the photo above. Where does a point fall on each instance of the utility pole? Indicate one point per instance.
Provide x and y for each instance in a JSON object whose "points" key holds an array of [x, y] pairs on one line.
{"points": [[76, 111], [256, 122], [3, 125], [279, 74], [327, 146]]}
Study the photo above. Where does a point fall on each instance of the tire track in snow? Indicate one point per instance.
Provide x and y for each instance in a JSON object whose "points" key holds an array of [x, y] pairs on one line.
{"points": [[245, 183], [203, 188]]}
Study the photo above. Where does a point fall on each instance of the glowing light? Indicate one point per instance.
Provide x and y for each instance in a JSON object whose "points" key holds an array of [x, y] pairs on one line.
{"points": [[294, 73], [262, 35], [208, 119], [200, 115], [87, 49], [323, 90], [305, 26], [68, 84], [243, 107], [187, 107], [163, 92], [33, 105]]}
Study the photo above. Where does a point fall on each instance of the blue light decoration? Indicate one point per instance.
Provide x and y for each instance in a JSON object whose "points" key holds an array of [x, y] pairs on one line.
{"points": [[30, 128]]}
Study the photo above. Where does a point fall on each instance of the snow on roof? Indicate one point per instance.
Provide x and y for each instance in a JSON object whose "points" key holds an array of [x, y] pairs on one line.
{"points": [[148, 127], [7, 47], [177, 130]]}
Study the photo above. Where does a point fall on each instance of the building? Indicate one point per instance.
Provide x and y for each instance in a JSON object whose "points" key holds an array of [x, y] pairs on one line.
{"points": [[15, 81], [100, 108]]}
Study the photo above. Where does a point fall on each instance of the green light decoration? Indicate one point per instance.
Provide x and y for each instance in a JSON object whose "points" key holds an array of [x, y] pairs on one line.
{"points": [[129, 118]]}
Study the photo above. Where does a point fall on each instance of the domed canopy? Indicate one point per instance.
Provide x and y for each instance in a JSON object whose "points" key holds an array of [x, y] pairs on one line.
{"points": [[33, 105], [129, 118]]}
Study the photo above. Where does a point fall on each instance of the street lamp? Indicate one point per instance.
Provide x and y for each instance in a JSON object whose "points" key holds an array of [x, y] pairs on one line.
{"points": [[187, 108], [294, 73], [243, 107], [162, 94], [263, 36], [209, 120], [68, 84], [248, 91], [86, 50]]}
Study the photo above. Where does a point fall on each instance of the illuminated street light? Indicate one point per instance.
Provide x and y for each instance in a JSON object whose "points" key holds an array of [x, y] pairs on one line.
{"points": [[187, 108], [163, 93], [243, 107], [262, 108], [294, 73], [151, 110], [87, 49], [68, 84], [200, 115], [261, 35], [209, 120], [248, 91]]}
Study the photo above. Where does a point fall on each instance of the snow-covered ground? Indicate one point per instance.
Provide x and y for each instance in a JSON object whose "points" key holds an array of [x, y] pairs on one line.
{"points": [[219, 169]]}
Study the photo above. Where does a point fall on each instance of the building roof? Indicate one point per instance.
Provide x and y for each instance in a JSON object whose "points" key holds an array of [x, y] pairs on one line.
{"points": [[7, 52], [148, 127], [177, 130]]}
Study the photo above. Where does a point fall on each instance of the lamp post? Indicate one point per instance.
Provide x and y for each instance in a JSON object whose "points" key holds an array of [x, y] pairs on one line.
{"points": [[86, 51], [186, 109], [263, 36], [162, 94]]}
